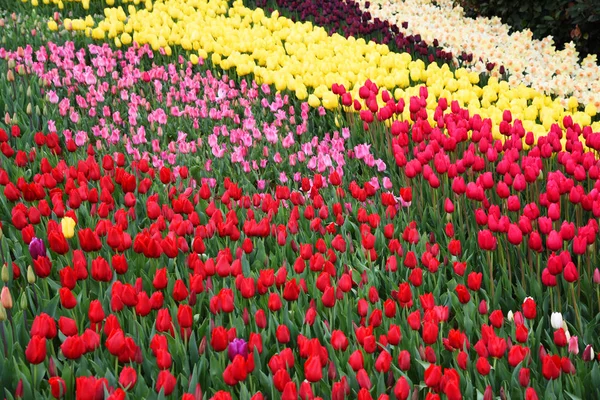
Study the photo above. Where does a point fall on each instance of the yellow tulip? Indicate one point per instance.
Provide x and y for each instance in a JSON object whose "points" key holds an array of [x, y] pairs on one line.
{"points": [[67, 225], [314, 101]]}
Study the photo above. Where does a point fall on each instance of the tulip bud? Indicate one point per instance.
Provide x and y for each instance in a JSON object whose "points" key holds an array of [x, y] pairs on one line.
{"points": [[489, 393], [28, 109], [30, 275], [19, 389], [5, 272], [588, 353], [52, 367], [415, 394], [202, 347], [483, 307], [502, 394], [23, 301], [6, 117], [597, 276], [11, 63], [28, 91], [37, 110], [3, 314], [6, 298], [21, 70], [510, 316], [10, 76]]}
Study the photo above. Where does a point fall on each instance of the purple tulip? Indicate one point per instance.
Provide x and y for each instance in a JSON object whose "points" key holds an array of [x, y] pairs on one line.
{"points": [[37, 248], [237, 346]]}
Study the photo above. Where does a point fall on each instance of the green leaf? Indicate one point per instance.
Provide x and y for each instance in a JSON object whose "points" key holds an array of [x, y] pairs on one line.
{"points": [[572, 396], [595, 376]]}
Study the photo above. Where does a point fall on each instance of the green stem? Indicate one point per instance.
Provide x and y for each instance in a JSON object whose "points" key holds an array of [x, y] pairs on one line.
{"points": [[4, 339], [559, 298], [491, 273], [576, 307]]}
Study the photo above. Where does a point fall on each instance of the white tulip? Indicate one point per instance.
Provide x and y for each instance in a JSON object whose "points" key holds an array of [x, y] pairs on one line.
{"points": [[510, 316], [556, 320]]}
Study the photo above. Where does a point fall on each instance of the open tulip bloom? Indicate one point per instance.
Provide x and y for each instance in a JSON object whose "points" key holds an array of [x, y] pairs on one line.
{"points": [[252, 200]]}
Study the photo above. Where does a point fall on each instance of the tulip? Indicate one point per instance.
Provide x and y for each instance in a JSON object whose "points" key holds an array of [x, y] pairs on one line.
{"points": [[127, 378], [237, 347], [573, 345], [165, 382], [58, 387], [556, 320], [529, 308], [68, 227], [483, 366], [37, 248], [35, 352], [4, 273], [588, 353], [313, 370], [6, 298]]}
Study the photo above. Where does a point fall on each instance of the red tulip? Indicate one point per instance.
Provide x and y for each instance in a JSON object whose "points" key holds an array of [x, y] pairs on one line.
{"points": [[73, 347], [57, 242], [529, 308], [127, 378], [483, 366], [58, 387], [401, 389], [433, 376], [219, 340], [339, 341], [551, 367], [67, 326], [560, 337], [43, 326], [356, 360], [42, 266], [67, 299], [463, 294], [165, 382], [486, 240], [496, 318], [383, 362], [282, 334], [516, 354], [530, 394], [313, 371], [35, 352], [90, 388], [496, 346], [430, 332], [570, 273]]}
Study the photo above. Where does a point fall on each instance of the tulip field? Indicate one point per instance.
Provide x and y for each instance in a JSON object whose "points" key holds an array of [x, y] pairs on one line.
{"points": [[296, 200]]}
